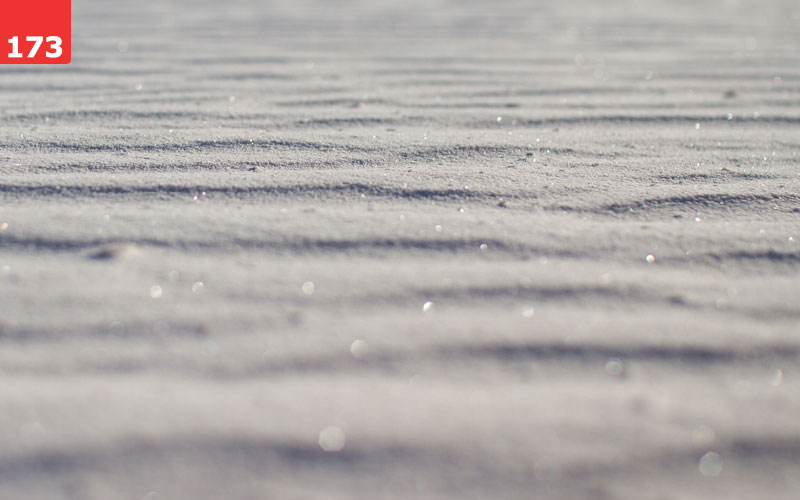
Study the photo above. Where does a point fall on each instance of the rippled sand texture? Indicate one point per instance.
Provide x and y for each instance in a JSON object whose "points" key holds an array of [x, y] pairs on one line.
{"points": [[472, 249]]}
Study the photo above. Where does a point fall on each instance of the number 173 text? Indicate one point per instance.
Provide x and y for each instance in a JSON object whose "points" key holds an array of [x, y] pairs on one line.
{"points": [[52, 44]]}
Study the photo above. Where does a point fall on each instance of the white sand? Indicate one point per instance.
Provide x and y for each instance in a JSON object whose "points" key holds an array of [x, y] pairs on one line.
{"points": [[373, 149]]}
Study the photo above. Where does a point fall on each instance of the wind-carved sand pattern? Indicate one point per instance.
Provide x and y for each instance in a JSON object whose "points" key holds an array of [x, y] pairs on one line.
{"points": [[429, 250]]}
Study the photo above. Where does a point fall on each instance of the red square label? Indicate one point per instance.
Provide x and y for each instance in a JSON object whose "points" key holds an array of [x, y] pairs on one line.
{"points": [[35, 31]]}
